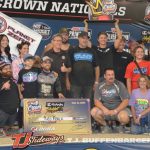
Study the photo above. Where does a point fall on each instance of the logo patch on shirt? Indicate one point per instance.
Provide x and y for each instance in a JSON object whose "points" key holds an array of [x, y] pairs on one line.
{"points": [[124, 57], [108, 93], [30, 77], [143, 69], [83, 56]]}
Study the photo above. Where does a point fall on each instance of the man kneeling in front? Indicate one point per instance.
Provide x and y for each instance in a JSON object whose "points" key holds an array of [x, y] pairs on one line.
{"points": [[111, 100]]}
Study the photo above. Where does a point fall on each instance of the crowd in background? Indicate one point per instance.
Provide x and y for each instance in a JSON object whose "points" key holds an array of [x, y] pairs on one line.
{"points": [[116, 82]]}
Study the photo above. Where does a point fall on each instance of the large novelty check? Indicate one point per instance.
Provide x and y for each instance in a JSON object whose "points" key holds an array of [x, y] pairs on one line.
{"points": [[57, 116]]}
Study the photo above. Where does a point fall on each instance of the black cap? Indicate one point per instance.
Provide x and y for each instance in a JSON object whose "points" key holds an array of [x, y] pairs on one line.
{"points": [[83, 34], [28, 56]]}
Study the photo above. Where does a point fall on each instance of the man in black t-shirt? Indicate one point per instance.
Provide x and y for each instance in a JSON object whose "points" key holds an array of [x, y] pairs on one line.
{"points": [[9, 96], [85, 69], [121, 60], [60, 61], [104, 52]]}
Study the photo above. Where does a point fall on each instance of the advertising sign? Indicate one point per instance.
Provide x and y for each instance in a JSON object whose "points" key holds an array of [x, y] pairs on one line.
{"points": [[18, 32]]}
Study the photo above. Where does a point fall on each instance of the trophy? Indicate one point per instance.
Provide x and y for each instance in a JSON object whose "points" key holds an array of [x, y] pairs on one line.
{"points": [[101, 10]]}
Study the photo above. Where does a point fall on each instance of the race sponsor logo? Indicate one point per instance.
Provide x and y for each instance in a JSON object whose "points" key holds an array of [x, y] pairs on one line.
{"points": [[34, 107], [23, 140], [112, 35], [54, 106], [75, 31], [146, 36], [109, 7], [83, 57], [3, 24], [43, 29], [42, 129]]}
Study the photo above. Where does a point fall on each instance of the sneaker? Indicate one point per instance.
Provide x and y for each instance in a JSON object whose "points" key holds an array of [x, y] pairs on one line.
{"points": [[121, 129], [106, 129], [95, 127]]}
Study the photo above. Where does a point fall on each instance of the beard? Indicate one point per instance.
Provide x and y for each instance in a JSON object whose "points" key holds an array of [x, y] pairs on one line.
{"points": [[65, 41], [7, 74]]}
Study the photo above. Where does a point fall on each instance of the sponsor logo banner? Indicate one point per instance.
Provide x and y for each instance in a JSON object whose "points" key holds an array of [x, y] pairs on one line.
{"points": [[18, 32], [23, 140], [77, 9], [112, 35], [43, 29], [75, 31]]}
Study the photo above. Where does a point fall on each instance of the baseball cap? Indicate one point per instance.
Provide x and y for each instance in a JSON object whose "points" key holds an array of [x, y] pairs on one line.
{"points": [[83, 34], [3, 64], [45, 58], [28, 56], [63, 30]]}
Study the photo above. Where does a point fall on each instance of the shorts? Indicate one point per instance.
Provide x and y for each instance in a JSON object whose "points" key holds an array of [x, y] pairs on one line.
{"points": [[115, 117], [7, 119]]}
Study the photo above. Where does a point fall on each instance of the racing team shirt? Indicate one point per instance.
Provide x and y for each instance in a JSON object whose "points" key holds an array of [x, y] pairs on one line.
{"points": [[83, 62]]}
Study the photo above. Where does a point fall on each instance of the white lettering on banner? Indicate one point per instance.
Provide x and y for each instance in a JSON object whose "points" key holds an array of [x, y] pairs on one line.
{"points": [[65, 8], [42, 6], [1, 4], [107, 140], [74, 6], [7, 4], [26, 4], [17, 4], [56, 6], [29, 4], [121, 11]]}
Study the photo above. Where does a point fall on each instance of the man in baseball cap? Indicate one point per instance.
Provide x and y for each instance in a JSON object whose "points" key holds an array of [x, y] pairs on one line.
{"points": [[46, 58], [9, 99], [48, 80]]}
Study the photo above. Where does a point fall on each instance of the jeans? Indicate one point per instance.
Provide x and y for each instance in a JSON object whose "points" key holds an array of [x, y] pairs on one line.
{"points": [[7, 119], [81, 91], [144, 126]]}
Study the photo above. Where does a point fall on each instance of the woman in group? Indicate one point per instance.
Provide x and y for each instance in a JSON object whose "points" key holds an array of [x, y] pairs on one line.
{"points": [[139, 102], [132, 72], [4, 49], [17, 64]]}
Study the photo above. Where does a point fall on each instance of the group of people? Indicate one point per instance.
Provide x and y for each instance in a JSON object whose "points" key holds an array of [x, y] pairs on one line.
{"points": [[114, 80]]}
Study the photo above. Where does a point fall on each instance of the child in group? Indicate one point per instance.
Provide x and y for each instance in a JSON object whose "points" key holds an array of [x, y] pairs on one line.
{"points": [[48, 80], [9, 98], [27, 83], [139, 102]]}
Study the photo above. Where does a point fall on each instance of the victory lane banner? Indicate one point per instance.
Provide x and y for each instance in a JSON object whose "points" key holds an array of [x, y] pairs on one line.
{"points": [[57, 116], [17, 33]]}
